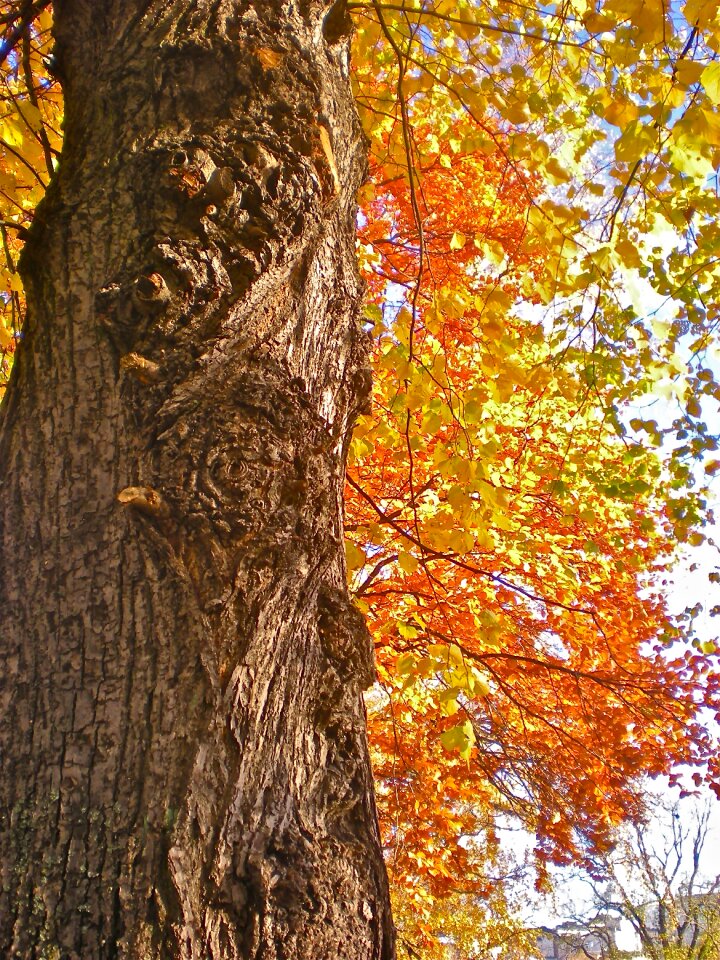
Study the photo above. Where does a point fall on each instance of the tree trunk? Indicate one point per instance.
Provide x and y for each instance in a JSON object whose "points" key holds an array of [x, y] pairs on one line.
{"points": [[182, 734]]}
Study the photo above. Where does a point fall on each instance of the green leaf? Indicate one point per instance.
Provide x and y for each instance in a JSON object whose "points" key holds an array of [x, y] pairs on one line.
{"points": [[460, 738], [448, 701], [405, 664]]}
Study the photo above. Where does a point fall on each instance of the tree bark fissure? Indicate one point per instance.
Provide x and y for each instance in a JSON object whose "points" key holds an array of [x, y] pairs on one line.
{"points": [[184, 759]]}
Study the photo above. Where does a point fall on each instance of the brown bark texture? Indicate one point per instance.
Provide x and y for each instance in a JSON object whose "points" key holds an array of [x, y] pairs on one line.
{"points": [[184, 769]]}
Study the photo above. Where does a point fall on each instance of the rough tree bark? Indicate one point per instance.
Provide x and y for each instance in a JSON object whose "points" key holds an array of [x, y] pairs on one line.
{"points": [[182, 736]]}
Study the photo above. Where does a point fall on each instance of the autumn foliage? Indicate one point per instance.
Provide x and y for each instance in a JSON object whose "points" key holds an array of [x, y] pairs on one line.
{"points": [[510, 514], [504, 538], [30, 117]]}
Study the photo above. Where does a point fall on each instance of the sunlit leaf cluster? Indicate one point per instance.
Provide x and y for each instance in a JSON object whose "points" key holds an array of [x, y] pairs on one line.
{"points": [[538, 240], [30, 120]]}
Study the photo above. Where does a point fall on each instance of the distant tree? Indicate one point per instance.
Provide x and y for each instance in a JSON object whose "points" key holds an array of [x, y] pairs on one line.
{"points": [[653, 878]]}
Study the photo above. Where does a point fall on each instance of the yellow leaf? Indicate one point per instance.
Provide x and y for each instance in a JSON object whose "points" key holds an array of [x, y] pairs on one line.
{"points": [[492, 251], [687, 155], [354, 556], [688, 72], [555, 172], [620, 113], [701, 12], [405, 664], [461, 541], [408, 563], [517, 113], [598, 23], [31, 115], [636, 141], [710, 79], [705, 124], [460, 738], [468, 31], [11, 133], [407, 630], [448, 701]]}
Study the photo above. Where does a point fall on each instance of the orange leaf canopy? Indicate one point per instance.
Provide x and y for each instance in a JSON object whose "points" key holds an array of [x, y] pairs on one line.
{"points": [[504, 541]]}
